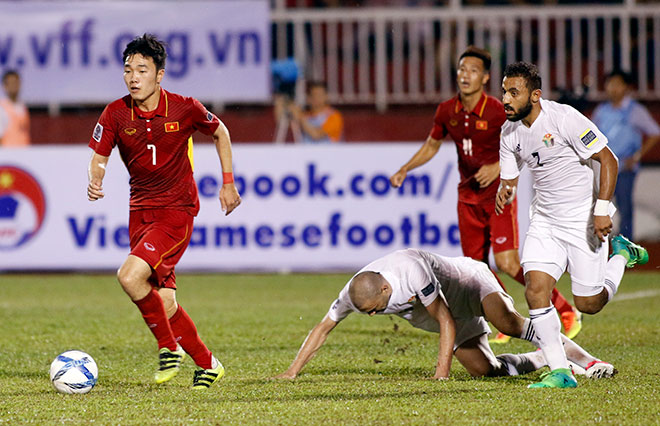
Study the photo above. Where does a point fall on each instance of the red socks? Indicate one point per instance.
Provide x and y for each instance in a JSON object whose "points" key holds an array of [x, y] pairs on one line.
{"points": [[185, 333], [154, 315], [559, 301], [561, 304], [520, 277]]}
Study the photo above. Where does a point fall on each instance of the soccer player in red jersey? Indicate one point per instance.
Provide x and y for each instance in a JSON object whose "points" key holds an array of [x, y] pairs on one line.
{"points": [[152, 129], [473, 120]]}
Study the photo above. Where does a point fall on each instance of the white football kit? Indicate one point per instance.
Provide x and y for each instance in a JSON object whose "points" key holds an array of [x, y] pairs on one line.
{"points": [[417, 278], [557, 148]]}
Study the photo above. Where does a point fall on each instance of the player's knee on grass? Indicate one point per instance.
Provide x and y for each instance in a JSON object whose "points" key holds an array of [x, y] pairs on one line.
{"points": [[477, 357], [476, 366]]}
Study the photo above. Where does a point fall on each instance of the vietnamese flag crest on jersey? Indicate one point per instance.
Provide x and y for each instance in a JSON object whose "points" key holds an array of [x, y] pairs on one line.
{"points": [[481, 125], [172, 127]]}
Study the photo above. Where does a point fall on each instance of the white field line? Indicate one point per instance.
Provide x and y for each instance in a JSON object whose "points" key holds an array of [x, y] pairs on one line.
{"points": [[635, 295]]}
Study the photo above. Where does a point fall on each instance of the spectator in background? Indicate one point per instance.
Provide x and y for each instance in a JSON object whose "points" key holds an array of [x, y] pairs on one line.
{"points": [[320, 123], [14, 117], [626, 123]]}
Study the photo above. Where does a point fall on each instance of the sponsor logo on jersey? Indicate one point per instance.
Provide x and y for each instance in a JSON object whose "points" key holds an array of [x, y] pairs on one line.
{"points": [[500, 240], [518, 149], [481, 125], [428, 290], [22, 207], [549, 140], [98, 132], [130, 132], [172, 127], [588, 138], [453, 123], [209, 116], [149, 247]]}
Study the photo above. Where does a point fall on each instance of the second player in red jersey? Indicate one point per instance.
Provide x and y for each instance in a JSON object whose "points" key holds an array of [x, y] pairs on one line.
{"points": [[152, 130], [473, 120]]}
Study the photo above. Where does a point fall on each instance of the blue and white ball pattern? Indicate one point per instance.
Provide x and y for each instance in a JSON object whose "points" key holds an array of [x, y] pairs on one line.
{"points": [[73, 372]]}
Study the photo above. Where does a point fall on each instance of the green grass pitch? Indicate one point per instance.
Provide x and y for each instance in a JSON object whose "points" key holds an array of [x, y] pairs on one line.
{"points": [[371, 370]]}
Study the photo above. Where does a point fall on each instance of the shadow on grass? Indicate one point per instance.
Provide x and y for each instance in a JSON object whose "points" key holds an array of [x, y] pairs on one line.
{"points": [[330, 395]]}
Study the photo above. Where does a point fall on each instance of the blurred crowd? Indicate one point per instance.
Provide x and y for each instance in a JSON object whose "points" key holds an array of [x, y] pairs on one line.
{"points": [[430, 3]]}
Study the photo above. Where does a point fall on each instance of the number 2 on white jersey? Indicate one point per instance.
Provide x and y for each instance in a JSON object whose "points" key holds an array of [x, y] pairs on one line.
{"points": [[153, 154], [535, 155]]}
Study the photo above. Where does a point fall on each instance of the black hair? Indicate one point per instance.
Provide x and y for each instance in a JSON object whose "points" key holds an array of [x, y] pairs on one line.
{"points": [[316, 83], [9, 73], [148, 46], [475, 52], [623, 75], [526, 70]]}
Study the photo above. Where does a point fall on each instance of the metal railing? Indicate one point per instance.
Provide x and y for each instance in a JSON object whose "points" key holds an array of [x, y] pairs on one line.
{"points": [[398, 56]]}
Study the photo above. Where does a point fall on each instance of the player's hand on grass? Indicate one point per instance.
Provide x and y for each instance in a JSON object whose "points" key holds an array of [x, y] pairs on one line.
{"points": [[95, 191], [229, 198], [397, 178], [440, 377], [487, 174], [602, 227]]}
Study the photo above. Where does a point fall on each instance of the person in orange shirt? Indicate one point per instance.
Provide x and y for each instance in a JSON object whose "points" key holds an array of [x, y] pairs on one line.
{"points": [[321, 123], [15, 119]]}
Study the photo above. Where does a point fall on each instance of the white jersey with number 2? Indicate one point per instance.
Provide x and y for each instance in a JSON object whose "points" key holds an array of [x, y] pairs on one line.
{"points": [[556, 148]]}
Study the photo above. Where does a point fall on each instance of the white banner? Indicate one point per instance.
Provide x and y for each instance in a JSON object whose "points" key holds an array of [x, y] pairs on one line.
{"points": [[71, 52], [312, 208]]}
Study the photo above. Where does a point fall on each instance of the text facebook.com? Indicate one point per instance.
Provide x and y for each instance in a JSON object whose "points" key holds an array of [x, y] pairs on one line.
{"points": [[314, 183], [77, 43]]}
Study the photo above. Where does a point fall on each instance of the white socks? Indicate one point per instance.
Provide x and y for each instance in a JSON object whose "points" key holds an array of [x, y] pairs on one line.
{"points": [[546, 327], [614, 270], [574, 352]]}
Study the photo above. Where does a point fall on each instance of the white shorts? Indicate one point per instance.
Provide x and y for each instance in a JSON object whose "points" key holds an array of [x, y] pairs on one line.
{"points": [[554, 249], [469, 328], [464, 294]]}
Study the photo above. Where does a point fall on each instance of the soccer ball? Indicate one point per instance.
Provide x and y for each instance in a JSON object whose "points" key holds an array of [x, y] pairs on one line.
{"points": [[73, 372]]}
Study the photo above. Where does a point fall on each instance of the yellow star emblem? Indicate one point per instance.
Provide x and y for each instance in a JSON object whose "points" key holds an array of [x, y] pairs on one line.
{"points": [[6, 180]]}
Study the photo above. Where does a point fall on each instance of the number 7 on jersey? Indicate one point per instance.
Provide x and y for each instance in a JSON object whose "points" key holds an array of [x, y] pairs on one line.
{"points": [[153, 154]]}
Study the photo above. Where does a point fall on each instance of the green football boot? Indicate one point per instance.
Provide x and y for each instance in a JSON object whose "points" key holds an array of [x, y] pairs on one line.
{"points": [[559, 378], [634, 253]]}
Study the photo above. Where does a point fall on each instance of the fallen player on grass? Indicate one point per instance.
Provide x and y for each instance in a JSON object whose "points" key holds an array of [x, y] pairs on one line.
{"points": [[450, 296]]}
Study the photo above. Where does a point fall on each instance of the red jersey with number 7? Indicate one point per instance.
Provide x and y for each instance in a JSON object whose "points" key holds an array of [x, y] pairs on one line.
{"points": [[477, 137], [156, 147]]}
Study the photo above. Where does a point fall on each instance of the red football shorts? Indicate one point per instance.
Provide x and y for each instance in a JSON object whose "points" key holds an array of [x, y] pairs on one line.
{"points": [[481, 228], [159, 237]]}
